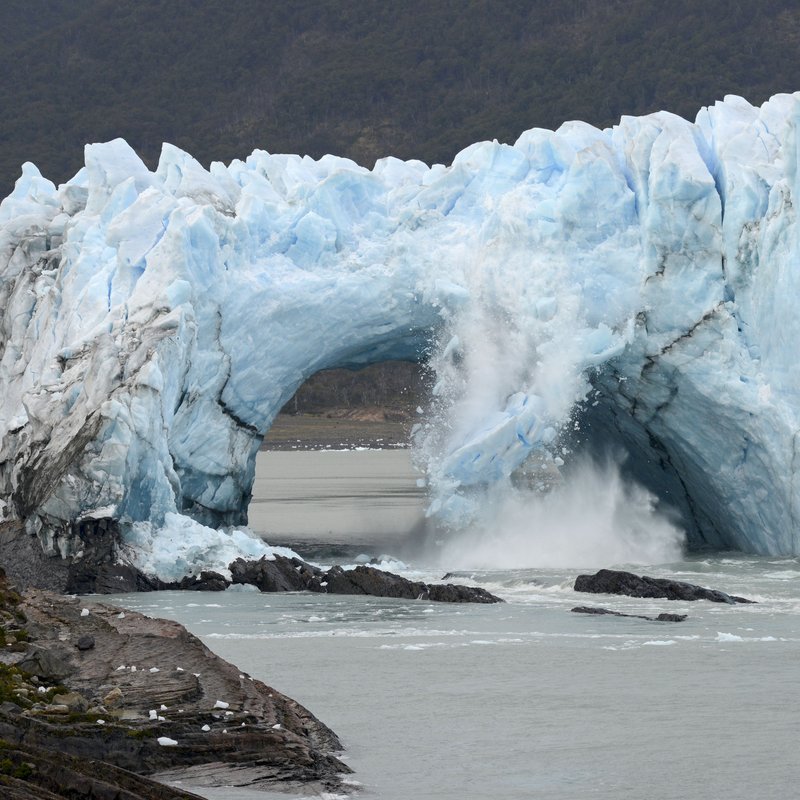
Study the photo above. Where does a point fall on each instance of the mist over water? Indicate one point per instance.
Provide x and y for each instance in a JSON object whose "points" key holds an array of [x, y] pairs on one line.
{"points": [[594, 517]]}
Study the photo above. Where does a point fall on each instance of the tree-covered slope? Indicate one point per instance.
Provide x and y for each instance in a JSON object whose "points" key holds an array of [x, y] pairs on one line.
{"points": [[365, 78]]}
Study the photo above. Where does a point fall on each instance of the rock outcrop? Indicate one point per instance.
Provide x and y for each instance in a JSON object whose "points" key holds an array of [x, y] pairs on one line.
{"points": [[143, 695], [282, 574], [609, 581]]}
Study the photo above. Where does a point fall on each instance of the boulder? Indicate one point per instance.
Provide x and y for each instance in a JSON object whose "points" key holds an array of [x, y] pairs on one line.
{"points": [[46, 663], [206, 581], [379, 583], [278, 574], [609, 581], [293, 575]]}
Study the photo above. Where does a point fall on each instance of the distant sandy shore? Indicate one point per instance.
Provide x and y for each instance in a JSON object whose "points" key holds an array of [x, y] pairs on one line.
{"points": [[319, 432]]}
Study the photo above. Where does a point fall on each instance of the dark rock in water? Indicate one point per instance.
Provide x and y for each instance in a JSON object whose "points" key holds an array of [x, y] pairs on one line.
{"points": [[608, 581], [378, 583], [371, 581], [606, 611], [279, 574], [455, 593], [207, 581], [292, 574], [85, 643]]}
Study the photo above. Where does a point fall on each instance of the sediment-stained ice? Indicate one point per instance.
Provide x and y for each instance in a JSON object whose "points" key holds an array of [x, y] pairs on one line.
{"points": [[634, 286]]}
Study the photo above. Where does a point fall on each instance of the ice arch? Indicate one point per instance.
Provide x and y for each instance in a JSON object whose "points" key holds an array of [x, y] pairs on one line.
{"points": [[154, 323]]}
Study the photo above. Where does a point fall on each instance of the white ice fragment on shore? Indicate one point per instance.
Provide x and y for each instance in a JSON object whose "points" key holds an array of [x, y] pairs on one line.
{"points": [[41, 690], [179, 669], [154, 669], [101, 722], [221, 704], [133, 668], [153, 714], [229, 713], [163, 707], [121, 615], [206, 728], [161, 719], [276, 727], [165, 741], [121, 667], [84, 612]]}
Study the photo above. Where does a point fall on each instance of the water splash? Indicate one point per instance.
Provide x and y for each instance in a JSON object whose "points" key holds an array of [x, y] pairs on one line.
{"points": [[593, 517]]}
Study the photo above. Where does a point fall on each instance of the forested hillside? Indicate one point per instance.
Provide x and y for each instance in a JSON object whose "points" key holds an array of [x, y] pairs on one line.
{"points": [[365, 78]]}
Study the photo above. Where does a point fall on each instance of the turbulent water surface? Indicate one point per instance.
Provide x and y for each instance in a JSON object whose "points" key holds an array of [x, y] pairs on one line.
{"points": [[523, 699]]}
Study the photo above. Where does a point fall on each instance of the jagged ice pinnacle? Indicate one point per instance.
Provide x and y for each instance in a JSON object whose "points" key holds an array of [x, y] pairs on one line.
{"points": [[637, 283]]}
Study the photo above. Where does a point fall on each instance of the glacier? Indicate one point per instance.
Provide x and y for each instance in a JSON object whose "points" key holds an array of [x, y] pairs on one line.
{"points": [[633, 287]]}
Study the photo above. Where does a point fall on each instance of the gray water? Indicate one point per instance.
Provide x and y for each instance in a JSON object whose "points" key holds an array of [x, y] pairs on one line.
{"points": [[523, 699]]}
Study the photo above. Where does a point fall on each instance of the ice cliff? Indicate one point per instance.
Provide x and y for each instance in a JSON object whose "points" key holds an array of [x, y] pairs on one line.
{"points": [[635, 285]]}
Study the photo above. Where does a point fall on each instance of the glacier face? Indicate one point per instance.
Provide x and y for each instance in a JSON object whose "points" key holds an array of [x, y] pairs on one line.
{"points": [[634, 285]]}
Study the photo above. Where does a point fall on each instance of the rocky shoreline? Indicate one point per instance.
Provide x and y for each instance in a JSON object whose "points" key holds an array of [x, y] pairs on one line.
{"points": [[94, 699], [102, 686]]}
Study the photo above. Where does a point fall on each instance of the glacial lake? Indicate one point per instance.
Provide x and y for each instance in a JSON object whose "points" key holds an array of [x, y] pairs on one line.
{"points": [[519, 700]]}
